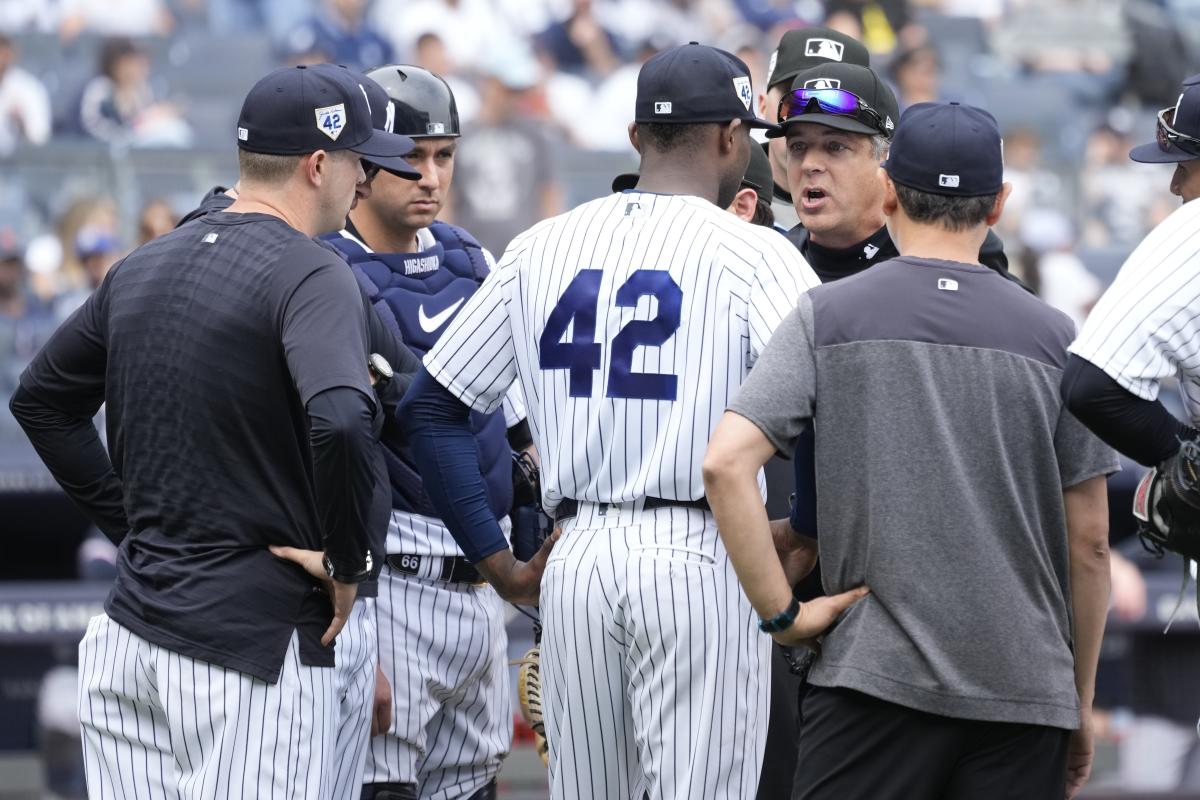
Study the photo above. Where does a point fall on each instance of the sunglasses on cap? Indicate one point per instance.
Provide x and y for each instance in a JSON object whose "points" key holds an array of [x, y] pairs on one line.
{"points": [[829, 101], [1170, 139]]}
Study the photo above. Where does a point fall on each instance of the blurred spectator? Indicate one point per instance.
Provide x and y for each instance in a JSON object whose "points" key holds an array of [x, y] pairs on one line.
{"points": [[28, 15], [339, 30], [768, 14], [579, 44], [1034, 186], [916, 73], [277, 18], [24, 103], [606, 127], [430, 53], [1118, 198], [157, 217], [115, 18], [25, 321], [119, 105], [1062, 279], [95, 248], [880, 23], [470, 29], [505, 180]]}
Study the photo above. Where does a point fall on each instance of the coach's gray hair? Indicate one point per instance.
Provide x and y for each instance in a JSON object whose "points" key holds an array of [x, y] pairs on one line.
{"points": [[879, 146]]}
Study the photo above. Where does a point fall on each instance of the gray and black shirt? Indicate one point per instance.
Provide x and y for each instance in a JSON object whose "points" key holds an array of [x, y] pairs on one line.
{"points": [[943, 450]]}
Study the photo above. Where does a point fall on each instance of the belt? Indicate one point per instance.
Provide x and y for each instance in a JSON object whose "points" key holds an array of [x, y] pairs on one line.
{"points": [[568, 507], [452, 569]]}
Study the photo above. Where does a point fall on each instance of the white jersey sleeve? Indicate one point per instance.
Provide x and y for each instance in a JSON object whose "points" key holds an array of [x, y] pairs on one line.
{"points": [[514, 406], [474, 358], [779, 281], [1146, 327]]}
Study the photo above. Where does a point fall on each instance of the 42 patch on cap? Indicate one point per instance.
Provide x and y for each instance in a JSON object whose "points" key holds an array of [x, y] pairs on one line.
{"points": [[331, 120]]}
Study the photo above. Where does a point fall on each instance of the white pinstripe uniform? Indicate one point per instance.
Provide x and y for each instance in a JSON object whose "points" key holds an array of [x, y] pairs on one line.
{"points": [[355, 658], [157, 724], [629, 322], [1146, 327], [443, 648]]}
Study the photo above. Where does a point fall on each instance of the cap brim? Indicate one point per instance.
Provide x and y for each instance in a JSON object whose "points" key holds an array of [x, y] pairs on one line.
{"points": [[828, 120], [627, 180], [755, 122], [1153, 154], [387, 150]]}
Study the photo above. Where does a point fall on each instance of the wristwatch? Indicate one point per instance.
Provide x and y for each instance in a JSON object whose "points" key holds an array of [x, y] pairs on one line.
{"points": [[353, 577], [781, 621], [380, 369]]}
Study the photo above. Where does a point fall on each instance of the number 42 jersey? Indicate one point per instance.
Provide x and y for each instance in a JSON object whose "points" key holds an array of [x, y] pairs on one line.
{"points": [[630, 322]]}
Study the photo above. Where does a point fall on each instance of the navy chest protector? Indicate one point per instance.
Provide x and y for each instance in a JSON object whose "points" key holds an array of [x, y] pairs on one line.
{"points": [[417, 295]]}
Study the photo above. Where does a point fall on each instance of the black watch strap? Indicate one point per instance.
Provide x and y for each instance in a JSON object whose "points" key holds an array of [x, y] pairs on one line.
{"points": [[781, 621], [348, 577]]}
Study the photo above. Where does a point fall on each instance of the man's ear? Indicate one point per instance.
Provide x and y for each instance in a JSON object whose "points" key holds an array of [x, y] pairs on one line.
{"points": [[890, 201], [744, 204], [633, 137], [729, 134], [998, 207], [315, 166]]}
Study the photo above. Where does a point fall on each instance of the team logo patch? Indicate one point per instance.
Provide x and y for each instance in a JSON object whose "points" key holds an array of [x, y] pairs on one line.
{"points": [[389, 123], [662, 107], [435, 128], [771, 65], [824, 48], [947, 284], [948, 181], [888, 125], [870, 250], [243, 135], [823, 83], [741, 85], [331, 120]]}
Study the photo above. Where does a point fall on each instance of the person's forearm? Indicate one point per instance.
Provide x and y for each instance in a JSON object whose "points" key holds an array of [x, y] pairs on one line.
{"points": [[72, 451], [1142, 429], [742, 523], [1087, 526], [341, 434], [437, 427]]}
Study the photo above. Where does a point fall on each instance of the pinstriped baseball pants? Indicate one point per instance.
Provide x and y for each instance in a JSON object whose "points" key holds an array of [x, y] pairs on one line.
{"points": [[355, 678], [157, 724]]}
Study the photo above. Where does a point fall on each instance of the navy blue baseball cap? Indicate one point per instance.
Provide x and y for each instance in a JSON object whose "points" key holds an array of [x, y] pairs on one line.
{"points": [[299, 110], [1177, 132], [695, 83], [947, 149]]}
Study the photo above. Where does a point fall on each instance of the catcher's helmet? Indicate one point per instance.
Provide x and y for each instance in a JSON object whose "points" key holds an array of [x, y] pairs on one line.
{"points": [[422, 104]]}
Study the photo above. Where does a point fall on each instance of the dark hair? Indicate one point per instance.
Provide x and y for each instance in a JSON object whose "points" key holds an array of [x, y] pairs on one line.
{"points": [[763, 213], [952, 213], [667, 136], [113, 51]]}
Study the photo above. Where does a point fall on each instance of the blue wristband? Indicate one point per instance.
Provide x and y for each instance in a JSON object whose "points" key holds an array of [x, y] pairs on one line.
{"points": [[781, 621]]}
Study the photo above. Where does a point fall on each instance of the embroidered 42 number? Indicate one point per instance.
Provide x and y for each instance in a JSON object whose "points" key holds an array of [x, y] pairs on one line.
{"points": [[581, 355]]}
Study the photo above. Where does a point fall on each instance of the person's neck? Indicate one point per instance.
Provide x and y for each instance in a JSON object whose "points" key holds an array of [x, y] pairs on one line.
{"points": [[671, 178], [935, 242], [251, 200], [380, 237], [845, 239]]}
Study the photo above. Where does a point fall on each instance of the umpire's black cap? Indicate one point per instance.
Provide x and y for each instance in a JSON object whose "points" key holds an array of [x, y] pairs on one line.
{"points": [[805, 48], [1177, 134], [298, 110], [421, 103]]}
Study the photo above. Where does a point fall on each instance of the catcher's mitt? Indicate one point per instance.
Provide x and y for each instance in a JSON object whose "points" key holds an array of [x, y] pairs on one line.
{"points": [[529, 695], [1167, 504]]}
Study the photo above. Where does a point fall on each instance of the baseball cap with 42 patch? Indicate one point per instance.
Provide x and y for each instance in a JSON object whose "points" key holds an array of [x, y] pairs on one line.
{"points": [[299, 110]]}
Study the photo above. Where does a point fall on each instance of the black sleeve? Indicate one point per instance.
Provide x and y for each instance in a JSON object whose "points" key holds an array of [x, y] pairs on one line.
{"points": [[519, 435], [61, 390], [324, 329], [73, 453], [1142, 429], [341, 433]]}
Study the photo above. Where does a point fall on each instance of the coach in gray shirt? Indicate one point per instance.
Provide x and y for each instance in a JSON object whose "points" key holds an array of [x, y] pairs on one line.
{"points": [[950, 481]]}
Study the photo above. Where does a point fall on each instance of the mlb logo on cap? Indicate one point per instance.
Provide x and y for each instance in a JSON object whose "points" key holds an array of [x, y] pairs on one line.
{"points": [[662, 107], [824, 48], [948, 180], [823, 83], [331, 120]]}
